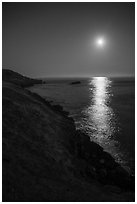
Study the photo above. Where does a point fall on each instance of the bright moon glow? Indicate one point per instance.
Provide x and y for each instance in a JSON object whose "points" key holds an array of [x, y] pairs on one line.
{"points": [[100, 42]]}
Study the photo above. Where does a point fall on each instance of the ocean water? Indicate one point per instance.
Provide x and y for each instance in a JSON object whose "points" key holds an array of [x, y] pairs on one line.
{"points": [[102, 107]]}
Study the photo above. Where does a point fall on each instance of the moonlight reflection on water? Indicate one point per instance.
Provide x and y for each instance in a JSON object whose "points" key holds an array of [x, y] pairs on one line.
{"points": [[100, 120], [100, 111]]}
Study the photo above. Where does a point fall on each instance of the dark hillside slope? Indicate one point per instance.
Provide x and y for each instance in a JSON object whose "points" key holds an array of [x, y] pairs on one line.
{"points": [[46, 159], [18, 79]]}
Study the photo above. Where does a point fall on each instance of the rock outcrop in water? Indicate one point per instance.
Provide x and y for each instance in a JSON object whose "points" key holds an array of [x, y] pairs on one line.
{"points": [[46, 159], [75, 82]]}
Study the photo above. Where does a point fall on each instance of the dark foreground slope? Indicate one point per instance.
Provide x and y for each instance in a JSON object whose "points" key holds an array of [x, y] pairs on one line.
{"points": [[46, 159]]}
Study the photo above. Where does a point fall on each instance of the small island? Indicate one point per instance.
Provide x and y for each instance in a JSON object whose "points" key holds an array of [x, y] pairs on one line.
{"points": [[75, 82]]}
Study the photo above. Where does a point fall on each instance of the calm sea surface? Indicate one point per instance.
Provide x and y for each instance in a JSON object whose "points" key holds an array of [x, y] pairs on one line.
{"points": [[102, 107]]}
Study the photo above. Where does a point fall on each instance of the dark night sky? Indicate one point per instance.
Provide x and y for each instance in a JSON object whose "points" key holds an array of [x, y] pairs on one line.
{"points": [[58, 39]]}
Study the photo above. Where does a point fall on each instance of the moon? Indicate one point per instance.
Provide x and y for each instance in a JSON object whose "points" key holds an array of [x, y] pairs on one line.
{"points": [[100, 42]]}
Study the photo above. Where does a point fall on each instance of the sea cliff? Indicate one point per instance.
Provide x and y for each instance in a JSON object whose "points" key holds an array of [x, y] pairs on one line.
{"points": [[46, 159]]}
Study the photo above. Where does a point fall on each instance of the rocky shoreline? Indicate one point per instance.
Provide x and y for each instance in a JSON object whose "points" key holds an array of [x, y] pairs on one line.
{"points": [[102, 166], [46, 159]]}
